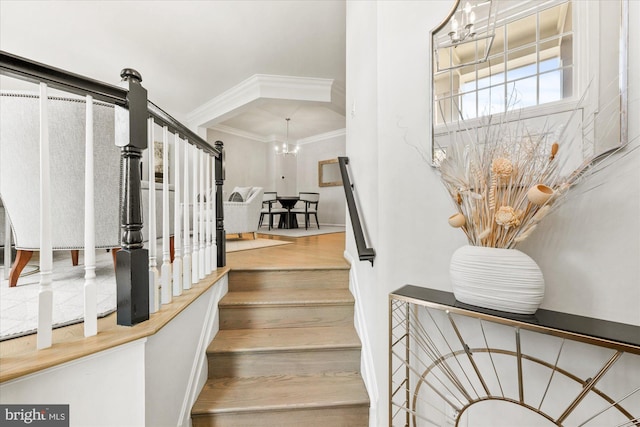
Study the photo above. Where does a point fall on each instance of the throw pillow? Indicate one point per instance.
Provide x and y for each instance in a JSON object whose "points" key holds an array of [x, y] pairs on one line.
{"points": [[244, 192], [236, 197]]}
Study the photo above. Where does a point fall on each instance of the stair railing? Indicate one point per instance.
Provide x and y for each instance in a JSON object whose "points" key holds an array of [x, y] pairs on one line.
{"points": [[135, 116], [364, 253]]}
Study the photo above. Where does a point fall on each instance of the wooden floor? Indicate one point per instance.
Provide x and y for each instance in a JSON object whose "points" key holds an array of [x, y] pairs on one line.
{"points": [[325, 250]]}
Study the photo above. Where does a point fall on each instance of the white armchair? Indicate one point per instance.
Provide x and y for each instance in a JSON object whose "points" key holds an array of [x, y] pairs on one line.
{"points": [[158, 209], [145, 209], [243, 217], [20, 171]]}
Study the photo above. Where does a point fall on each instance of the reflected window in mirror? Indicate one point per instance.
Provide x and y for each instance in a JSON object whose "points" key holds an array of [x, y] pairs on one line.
{"points": [[529, 62], [545, 61]]}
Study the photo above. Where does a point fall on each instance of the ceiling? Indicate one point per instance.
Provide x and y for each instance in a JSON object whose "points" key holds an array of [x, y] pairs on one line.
{"points": [[191, 53]]}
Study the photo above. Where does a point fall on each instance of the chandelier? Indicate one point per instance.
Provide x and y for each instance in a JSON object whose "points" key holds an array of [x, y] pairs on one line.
{"points": [[466, 36], [284, 149], [463, 29]]}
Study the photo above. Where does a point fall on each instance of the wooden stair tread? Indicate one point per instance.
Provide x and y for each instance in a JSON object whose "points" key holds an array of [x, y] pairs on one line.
{"points": [[285, 297], [281, 392], [293, 268], [284, 339]]}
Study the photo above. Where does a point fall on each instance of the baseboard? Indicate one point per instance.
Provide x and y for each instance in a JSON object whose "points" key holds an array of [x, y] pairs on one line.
{"points": [[367, 367], [330, 225]]}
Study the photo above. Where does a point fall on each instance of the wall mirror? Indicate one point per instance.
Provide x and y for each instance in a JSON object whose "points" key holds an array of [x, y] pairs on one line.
{"points": [[329, 173], [543, 59]]}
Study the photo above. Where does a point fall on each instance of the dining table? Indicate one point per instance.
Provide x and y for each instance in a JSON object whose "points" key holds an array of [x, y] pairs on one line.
{"points": [[288, 220]]}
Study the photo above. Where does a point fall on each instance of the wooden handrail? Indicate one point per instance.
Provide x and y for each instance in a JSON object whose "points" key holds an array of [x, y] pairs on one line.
{"points": [[364, 253]]}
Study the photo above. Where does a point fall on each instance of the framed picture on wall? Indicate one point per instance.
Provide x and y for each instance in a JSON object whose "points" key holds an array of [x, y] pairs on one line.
{"points": [[157, 160]]}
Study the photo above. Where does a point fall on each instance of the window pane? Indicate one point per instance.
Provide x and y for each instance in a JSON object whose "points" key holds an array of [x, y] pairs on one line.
{"points": [[497, 99], [521, 32], [442, 58], [525, 93], [498, 42], [549, 64], [442, 85], [495, 67], [484, 100], [555, 21], [467, 78], [442, 111], [566, 50], [521, 63], [551, 86], [484, 82], [468, 105]]}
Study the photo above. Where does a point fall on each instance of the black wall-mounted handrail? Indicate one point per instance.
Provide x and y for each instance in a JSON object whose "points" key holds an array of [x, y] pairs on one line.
{"points": [[364, 253]]}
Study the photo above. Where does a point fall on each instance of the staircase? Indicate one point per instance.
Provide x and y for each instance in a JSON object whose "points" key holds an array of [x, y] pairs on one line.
{"points": [[287, 353]]}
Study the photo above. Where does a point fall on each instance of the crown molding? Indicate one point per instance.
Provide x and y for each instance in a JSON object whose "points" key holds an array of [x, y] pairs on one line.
{"points": [[241, 133], [259, 138], [322, 136], [255, 88]]}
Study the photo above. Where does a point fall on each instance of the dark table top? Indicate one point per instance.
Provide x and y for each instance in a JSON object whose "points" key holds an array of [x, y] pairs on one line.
{"points": [[288, 202], [546, 321]]}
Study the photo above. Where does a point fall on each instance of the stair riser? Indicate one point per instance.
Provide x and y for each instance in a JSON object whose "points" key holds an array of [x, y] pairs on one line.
{"points": [[289, 363], [286, 317], [322, 417], [240, 281]]}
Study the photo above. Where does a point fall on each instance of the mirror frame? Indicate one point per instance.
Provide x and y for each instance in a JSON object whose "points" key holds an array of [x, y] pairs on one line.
{"points": [[622, 76], [321, 182]]}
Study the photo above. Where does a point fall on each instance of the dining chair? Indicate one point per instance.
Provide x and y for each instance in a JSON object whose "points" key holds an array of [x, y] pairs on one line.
{"points": [[310, 201], [268, 200]]}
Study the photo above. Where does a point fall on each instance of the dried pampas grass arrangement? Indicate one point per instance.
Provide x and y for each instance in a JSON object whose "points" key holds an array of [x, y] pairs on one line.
{"points": [[505, 177]]}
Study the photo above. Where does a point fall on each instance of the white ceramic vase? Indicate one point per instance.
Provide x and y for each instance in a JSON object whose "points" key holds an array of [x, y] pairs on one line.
{"points": [[499, 279]]}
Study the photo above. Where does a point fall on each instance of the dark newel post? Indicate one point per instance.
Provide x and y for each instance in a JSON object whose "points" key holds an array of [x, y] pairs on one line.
{"points": [[132, 271], [220, 234]]}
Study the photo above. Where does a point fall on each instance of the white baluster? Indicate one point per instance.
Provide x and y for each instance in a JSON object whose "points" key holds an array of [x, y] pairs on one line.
{"points": [[208, 214], [45, 296], [195, 252], [177, 241], [214, 200], [90, 292], [165, 272], [186, 259], [201, 273], [154, 275]]}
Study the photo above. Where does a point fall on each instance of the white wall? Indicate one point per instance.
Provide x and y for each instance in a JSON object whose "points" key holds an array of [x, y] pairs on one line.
{"points": [[104, 389], [285, 174], [244, 160], [588, 250], [176, 361], [332, 206]]}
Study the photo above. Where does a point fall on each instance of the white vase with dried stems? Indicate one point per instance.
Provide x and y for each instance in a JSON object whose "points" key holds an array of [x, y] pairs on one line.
{"points": [[504, 178]]}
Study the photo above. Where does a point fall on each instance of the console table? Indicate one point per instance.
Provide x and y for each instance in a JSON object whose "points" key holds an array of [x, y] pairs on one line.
{"points": [[566, 370]]}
